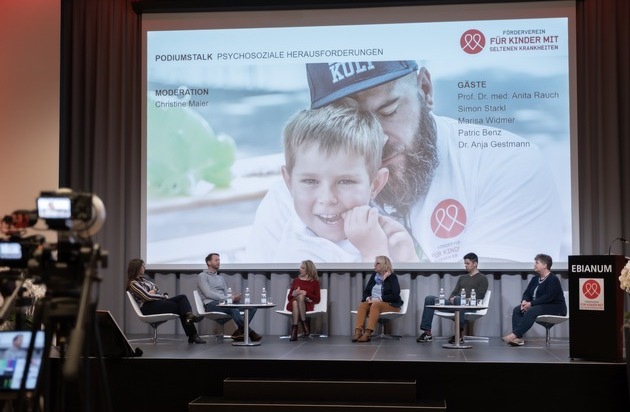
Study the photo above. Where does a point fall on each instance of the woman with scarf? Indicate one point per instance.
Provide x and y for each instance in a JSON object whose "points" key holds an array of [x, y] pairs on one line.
{"points": [[381, 294]]}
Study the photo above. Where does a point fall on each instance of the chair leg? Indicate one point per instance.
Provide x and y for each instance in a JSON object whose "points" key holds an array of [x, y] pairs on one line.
{"points": [[155, 335], [150, 339], [547, 336], [223, 334], [221, 330], [220, 335], [154, 338], [547, 327], [382, 334], [470, 335], [312, 335], [319, 322], [286, 336]]}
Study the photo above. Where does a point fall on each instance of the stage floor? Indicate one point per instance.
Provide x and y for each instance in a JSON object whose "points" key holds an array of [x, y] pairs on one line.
{"points": [[490, 373], [340, 348]]}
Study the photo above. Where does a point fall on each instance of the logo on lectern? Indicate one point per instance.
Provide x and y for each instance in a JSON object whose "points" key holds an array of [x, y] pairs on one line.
{"points": [[591, 294]]}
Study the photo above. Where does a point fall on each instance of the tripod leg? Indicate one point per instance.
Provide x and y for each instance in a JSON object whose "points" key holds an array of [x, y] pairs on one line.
{"points": [[44, 367], [101, 362]]}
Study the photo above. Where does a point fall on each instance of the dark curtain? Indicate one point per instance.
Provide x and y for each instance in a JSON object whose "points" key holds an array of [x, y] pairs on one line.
{"points": [[101, 142], [603, 66], [100, 127]]}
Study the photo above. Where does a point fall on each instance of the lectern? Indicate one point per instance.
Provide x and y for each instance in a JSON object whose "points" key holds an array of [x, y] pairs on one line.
{"points": [[596, 307]]}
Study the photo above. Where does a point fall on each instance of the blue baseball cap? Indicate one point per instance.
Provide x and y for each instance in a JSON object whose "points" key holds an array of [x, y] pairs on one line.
{"points": [[329, 82]]}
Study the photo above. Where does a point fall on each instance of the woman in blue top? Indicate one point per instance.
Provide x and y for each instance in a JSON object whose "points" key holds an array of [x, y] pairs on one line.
{"points": [[543, 296], [381, 294]]}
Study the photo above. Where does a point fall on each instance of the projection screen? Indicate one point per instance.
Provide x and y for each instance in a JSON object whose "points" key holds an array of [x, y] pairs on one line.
{"points": [[474, 106]]}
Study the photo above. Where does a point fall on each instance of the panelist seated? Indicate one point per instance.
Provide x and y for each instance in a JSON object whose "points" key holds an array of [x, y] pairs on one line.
{"points": [[381, 294], [152, 301], [543, 296], [304, 294], [475, 280], [213, 290]]}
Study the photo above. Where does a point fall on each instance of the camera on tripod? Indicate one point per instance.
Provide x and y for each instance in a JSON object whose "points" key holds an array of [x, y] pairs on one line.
{"points": [[75, 216], [67, 268]]}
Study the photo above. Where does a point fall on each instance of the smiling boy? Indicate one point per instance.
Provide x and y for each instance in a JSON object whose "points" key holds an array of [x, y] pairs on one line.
{"points": [[333, 172]]}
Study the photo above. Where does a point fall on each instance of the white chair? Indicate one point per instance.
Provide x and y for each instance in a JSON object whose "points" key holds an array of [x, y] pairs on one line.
{"points": [[153, 320], [320, 308], [471, 317], [220, 318], [549, 321], [386, 317]]}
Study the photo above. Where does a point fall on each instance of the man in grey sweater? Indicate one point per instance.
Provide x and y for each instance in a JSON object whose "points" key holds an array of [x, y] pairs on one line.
{"points": [[213, 289]]}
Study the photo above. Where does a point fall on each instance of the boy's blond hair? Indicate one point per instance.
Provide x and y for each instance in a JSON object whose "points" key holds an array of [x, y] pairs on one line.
{"points": [[338, 126]]}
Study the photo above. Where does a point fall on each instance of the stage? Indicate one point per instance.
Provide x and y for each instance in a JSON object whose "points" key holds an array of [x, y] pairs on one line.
{"points": [[489, 376]]}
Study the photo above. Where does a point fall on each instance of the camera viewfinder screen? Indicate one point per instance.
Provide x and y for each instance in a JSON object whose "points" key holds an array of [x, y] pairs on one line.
{"points": [[54, 208], [10, 251], [13, 354]]}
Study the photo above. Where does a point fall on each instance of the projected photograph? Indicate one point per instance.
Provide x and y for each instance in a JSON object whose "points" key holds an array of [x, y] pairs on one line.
{"points": [[271, 146]]}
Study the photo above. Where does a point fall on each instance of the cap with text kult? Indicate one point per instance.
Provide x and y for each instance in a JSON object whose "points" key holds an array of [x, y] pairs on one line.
{"points": [[329, 82]]}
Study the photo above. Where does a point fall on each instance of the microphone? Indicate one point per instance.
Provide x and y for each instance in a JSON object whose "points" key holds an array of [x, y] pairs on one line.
{"points": [[621, 239]]}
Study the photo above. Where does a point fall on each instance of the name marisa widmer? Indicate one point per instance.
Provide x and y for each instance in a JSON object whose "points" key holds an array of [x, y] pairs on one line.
{"points": [[473, 144]]}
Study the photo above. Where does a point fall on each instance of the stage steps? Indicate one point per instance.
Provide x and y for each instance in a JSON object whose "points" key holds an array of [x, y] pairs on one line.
{"points": [[266, 395]]}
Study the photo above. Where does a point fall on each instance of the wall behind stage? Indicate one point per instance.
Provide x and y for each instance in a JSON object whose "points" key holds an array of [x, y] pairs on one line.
{"points": [[29, 101]]}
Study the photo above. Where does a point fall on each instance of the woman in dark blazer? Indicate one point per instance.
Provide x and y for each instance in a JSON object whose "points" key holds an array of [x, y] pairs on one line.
{"points": [[543, 296], [381, 294]]}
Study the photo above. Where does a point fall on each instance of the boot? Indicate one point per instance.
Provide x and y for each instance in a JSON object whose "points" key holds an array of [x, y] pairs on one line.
{"points": [[294, 330], [238, 335], [306, 329], [357, 334], [367, 336], [195, 339], [253, 336], [190, 318]]}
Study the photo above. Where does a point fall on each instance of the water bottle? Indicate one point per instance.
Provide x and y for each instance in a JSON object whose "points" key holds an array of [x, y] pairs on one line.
{"points": [[462, 297], [263, 296], [473, 298], [441, 301], [247, 299], [229, 296]]}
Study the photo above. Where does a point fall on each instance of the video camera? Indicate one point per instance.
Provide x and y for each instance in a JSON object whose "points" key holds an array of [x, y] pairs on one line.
{"points": [[67, 268], [76, 216], [60, 209]]}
